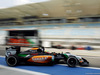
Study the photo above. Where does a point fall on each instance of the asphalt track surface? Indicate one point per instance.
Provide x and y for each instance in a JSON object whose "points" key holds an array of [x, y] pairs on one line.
{"points": [[56, 69]]}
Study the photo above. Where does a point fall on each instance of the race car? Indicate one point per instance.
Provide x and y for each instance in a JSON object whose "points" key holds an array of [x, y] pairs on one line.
{"points": [[38, 56]]}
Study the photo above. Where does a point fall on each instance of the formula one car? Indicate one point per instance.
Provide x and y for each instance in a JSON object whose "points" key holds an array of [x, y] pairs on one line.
{"points": [[38, 56]]}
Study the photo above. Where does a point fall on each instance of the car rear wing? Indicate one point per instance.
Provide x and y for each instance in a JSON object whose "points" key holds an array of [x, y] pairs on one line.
{"points": [[12, 50]]}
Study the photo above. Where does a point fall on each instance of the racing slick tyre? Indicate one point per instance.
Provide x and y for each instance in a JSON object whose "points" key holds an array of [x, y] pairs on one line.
{"points": [[12, 60], [72, 61]]}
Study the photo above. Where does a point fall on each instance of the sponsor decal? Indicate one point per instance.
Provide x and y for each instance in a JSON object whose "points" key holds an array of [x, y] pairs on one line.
{"points": [[40, 59]]}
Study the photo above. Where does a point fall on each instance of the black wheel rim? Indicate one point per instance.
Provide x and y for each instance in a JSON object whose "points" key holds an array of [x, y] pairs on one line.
{"points": [[72, 62], [11, 61]]}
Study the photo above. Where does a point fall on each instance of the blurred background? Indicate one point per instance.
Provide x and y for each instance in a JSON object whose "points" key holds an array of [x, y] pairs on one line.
{"points": [[62, 24]]}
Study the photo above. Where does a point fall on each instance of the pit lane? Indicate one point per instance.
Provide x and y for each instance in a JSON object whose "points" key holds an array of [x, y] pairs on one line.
{"points": [[59, 69]]}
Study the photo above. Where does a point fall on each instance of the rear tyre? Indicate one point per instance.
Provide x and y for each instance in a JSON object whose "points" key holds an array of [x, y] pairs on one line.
{"points": [[72, 61], [12, 61]]}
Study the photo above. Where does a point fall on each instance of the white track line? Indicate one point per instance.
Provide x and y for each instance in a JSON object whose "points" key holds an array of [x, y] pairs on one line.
{"points": [[22, 70], [92, 68], [82, 67], [2, 56]]}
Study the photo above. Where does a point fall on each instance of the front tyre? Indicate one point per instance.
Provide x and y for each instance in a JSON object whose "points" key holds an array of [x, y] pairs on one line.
{"points": [[72, 61], [12, 61]]}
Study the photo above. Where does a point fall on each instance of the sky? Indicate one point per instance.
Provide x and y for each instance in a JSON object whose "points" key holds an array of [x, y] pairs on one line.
{"points": [[11, 3]]}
